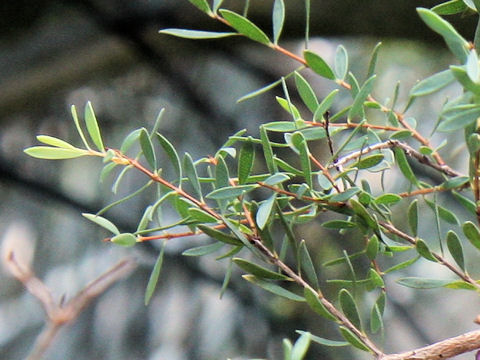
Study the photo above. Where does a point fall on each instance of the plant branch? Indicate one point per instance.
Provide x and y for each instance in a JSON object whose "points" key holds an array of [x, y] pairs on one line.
{"points": [[441, 260], [441, 350]]}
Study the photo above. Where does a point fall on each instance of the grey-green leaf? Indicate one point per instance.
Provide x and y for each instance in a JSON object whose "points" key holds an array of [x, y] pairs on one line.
{"points": [[125, 239], [191, 172], [53, 141], [278, 18], [147, 149], [306, 264], [203, 249], [472, 233], [318, 65], [92, 127], [153, 280], [306, 92], [433, 83], [230, 192], [349, 308], [54, 153], [405, 166], [314, 302], [258, 271], [360, 98], [300, 347], [264, 211], [171, 153], [413, 217], [245, 161], [245, 26], [424, 251], [219, 235], [352, 338], [422, 283], [273, 288], [326, 342], [196, 34], [341, 62], [107, 224], [455, 247], [202, 5], [457, 44]]}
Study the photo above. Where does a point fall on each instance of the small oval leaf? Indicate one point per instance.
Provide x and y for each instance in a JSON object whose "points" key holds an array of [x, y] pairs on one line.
{"points": [[317, 64], [245, 26]]}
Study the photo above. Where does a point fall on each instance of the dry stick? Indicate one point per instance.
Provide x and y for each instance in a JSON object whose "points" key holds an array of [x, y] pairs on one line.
{"points": [[464, 276], [325, 172], [61, 314], [441, 350]]}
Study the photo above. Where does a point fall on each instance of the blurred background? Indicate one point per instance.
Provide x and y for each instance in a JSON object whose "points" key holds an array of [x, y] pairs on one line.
{"points": [[57, 53]]}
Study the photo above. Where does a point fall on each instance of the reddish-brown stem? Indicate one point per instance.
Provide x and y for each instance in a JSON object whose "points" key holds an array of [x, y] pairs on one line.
{"points": [[155, 177], [476, 184], [324, 171]]}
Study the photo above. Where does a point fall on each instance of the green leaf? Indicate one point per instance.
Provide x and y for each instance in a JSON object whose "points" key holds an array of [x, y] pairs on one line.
{"points": [[339, 224], [191, 172], [402, 265], [201, 216], [172, 154], [388, 199], [245, 161], [422, 283], [280, 126], [376, 321], [455, 247], [219, 235], [347, 194], [325, 105], [360, 98], [92, 127], [375, 279], [287, 349], [125, 239], [444, 213], [472, 66], [300, 144], [325, 342], [459, 120], [372, 247], [273, 288], [216, 5], [306, 264], [457, 44], [413, 217], [54, 153], [405, 166], [318, 65], [153, 280], [349, 308], [258, 271], [202, 5], [129, 140], [306, 92], [373, 60], [424, 251], [466, 202], [341, 62], [461, 74], [301, 346], [289, 107], [196, 34], [203, 250], [147, 149], [264, 211], [450, 7], [316, 305], [433, 83], [276, 179], [368, 161], [79, 128], [245, 26], [267, 151], [230, 192], [278, 17], [260, 91], [455, 182], [107, 224], [362, 212], [53, 141], [352, 338], [472, 233]]}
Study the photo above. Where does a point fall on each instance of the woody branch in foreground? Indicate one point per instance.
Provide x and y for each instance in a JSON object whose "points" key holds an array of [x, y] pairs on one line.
{"points": [[59, 314]]}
